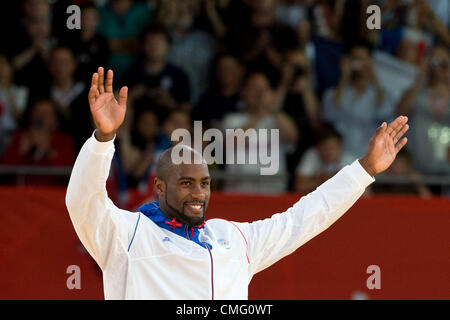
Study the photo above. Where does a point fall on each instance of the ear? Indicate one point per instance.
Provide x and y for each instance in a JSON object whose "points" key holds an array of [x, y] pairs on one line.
{"points": [[160, 187]]}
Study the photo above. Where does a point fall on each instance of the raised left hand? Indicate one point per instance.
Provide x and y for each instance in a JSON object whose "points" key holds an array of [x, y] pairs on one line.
{"points": [[384, 146]]}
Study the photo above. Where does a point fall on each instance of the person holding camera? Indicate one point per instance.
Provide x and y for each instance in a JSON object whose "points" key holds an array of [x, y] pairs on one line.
{"points": [[359, 102], [299, 101], [427, 102]]}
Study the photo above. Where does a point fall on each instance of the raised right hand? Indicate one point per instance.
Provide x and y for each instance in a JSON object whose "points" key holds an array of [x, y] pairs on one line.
{"points": [[108, 114]]}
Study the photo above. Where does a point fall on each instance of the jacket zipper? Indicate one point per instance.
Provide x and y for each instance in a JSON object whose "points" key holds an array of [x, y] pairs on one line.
{"points": [[212, 271], [212, 264]]}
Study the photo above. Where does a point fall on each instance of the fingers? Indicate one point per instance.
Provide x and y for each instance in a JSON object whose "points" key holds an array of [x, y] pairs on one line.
{"points": [[401, 144], [101, 76], [381, 129], [401, 133], [123, 94], [109, 81], [93, 94], [396, 125], [94, 81]]}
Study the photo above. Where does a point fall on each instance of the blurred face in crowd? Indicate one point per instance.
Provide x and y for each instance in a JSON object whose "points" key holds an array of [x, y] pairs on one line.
{"points": [[156, 47], [177, 120], [257, 93], [5, 71], [36, 8], [185, 13], [43, 116], [330, 149], [401, 166], [229, 72], [38, 28], [439, 63], [147, 125], [62, 64], [121, 7], [89, 20], [360, 60]]}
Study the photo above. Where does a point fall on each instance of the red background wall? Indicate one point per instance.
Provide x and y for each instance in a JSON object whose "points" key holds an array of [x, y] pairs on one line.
{"points": [[408, 238]]}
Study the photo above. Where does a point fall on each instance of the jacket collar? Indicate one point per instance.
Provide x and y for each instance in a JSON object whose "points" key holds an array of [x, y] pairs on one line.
{"points": [[152, 211]]}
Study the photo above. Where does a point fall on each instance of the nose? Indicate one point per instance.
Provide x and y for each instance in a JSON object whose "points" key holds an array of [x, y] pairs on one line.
{"points": [[197, 193]]}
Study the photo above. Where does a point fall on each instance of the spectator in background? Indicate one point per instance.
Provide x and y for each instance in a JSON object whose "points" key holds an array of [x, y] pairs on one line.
{"points": [[260, 113], [295, 13], [341, 20], [177, 119], [427, 103], [192, 49], [41, 142], [358, 105], [153, 81], [260, 39], [402, 167], [36, 8], [217, 15], [121, 23], [335, 26], [223, 96], [68, 95], [30, 54], [292, 12], [64, 88], [322, 161], [89, 48], [410, 27], [13, 100], [299, 101], [140, 148]]}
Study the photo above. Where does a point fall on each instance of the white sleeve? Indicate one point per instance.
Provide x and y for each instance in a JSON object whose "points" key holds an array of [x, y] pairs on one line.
{"points": [[104, 229], [273, 238]]}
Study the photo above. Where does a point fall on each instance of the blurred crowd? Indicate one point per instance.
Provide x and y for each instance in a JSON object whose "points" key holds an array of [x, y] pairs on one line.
{"points": [[310, 68]]}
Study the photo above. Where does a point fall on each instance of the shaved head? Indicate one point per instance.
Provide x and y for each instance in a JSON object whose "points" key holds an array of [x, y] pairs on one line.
{"points": [[166, 164]]}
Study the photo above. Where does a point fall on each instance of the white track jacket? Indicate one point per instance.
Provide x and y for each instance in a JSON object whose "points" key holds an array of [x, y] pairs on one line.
{"points": [[140, 260]]}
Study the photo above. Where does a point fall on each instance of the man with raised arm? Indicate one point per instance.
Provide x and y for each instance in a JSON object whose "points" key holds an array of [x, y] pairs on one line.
{"points": [[167, 250]]}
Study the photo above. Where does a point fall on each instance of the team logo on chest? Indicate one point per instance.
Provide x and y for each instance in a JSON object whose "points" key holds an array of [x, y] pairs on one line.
{"points": [[224, 243]]}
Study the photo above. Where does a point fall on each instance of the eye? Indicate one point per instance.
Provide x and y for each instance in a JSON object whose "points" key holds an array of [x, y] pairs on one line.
{"points": [[205, 183], [185, 183]]}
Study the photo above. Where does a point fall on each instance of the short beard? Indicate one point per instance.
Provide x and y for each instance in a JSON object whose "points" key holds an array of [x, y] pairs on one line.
{"points": [[190, 221]]}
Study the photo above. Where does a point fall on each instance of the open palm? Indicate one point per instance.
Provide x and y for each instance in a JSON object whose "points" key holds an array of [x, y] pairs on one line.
{"points": [[107, 112], [385, 144]]}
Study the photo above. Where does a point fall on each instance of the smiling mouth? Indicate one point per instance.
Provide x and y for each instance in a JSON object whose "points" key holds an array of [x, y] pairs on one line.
{"points": [[195, 207]]}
